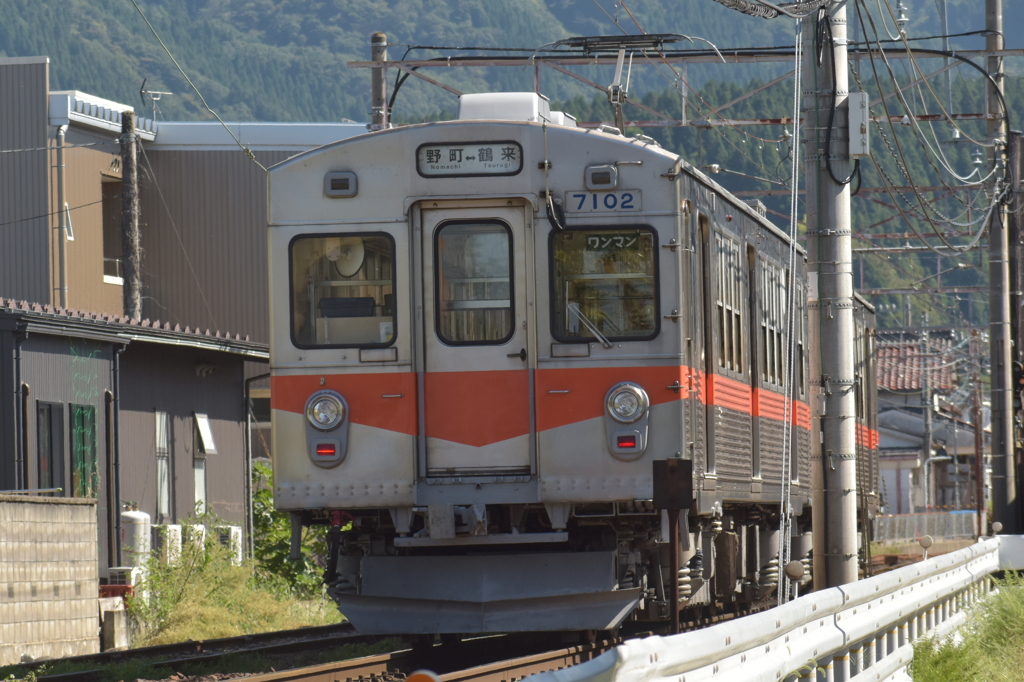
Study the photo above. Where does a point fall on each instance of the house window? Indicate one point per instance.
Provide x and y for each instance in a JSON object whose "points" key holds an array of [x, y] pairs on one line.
{"points": [[85, 480], [112, 248], [204, 446], [163, 468], [50, 440]]}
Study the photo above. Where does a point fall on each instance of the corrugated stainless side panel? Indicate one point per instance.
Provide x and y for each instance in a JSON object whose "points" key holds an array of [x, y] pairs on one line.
{"points": [[24, 223], [205, 249], [732, 444], [772, 438], [181, 382], [69, 371], [803, 439]]}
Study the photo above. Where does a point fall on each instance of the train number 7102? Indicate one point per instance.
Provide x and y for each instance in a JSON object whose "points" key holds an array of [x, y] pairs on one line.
{"points": [[601, 202]]}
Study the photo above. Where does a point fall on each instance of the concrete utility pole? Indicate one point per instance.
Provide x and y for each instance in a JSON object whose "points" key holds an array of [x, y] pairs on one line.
{"points": [[830, 306], [132, 253], [62, 225], [926, 405], [379, 81], [1005, 505], [979, 465]]}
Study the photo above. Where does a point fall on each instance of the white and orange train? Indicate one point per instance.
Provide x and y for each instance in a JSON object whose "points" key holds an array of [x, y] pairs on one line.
{"points": [[486, 331]]}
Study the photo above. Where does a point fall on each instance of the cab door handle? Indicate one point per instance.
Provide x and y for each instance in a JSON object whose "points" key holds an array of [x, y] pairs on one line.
{"points": [[521, 354]]}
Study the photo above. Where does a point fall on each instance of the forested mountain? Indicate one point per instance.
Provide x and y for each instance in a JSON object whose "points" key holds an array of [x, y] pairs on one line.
{"points": [[285, 60]]}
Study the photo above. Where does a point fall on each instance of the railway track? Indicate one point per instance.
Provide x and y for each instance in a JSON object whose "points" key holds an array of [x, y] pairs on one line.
{"points": [[208, 651], [477, 660]]}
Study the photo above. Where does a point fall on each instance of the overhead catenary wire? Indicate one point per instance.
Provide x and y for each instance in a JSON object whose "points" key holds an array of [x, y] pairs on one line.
{"points": [[248, 152]]}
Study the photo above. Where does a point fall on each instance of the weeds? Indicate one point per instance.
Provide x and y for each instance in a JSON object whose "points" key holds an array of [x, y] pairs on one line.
{"points": [[202, 595], [989, 647]]}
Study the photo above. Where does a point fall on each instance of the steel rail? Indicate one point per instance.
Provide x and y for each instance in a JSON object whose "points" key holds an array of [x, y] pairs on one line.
{"points": [[270, 643]]}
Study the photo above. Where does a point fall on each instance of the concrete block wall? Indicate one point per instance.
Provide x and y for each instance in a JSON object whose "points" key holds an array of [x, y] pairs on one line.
{"points": [[49, 578]]}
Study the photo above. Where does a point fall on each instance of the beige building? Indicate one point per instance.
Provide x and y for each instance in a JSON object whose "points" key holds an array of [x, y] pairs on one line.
{"points": [[202, 205]]}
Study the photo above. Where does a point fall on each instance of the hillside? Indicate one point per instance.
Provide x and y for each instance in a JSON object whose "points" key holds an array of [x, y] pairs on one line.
{"points": [[284, 60]]}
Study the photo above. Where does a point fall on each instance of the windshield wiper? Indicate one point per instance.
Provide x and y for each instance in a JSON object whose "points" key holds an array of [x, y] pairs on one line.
{"points": [[573, 308]]}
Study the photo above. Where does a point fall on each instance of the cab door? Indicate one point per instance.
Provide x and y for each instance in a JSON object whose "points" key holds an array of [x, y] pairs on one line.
{"points": [[477, 398]]}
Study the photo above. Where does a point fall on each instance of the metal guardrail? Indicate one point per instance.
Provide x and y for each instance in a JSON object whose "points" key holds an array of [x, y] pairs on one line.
{"points": [[855, 633], [902, 528]]}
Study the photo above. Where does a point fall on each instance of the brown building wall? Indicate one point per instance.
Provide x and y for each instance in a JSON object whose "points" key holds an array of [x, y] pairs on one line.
{"points": [[205, 249], [181, 382], [24, 224], [87, 169]]}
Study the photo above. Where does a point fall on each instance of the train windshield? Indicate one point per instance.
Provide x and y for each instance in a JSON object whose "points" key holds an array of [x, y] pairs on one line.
{"points": [[604, 284], [474, 286], [343, 290]]}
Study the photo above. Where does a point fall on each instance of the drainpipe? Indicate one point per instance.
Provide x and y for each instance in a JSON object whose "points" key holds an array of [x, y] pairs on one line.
{"points": [[19, 420], [62, 227], [248, 464], [117, 450]]}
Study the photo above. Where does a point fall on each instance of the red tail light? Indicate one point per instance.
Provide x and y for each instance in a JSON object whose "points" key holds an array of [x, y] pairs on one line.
{"points": [[325, 449], [626, 441]]}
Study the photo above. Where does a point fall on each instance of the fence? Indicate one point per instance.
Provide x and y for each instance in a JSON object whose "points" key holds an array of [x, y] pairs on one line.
{"points": [[901, 528], [855, 633]]}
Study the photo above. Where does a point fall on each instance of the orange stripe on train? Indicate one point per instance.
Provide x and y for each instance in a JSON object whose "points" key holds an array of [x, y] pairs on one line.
{"points": [[363, 392]]}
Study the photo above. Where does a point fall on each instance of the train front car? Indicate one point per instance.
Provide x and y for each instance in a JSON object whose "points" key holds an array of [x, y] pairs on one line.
{"points": [[484, 334]]}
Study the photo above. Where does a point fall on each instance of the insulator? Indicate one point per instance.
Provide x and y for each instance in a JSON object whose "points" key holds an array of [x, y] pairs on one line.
{"points": [[343, 586], [685, 589], [808, 563], [716, 524], [628, 581], [770, 572]]}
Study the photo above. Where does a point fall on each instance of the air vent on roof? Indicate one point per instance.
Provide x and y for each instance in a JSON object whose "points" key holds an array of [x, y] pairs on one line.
{"points": [[758, 207]]}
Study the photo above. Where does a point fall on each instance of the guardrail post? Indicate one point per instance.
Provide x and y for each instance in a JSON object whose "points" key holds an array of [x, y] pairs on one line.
{"points": [[841, 667], [929, 620], [869, 654], [826, 673], [856, 660], [890, 641], [902, 637]]}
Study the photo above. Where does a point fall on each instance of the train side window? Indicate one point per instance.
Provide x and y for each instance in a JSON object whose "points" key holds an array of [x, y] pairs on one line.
{"points": [[473, 271], [343, 290], [773, 316], [604, 282], [730, 304]]}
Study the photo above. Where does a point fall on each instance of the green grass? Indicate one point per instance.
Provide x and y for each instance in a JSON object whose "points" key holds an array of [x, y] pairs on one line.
{"points": [[991, 646]]}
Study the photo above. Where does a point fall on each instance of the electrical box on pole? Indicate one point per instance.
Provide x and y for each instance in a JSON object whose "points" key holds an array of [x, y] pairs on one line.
{"points": [[860, 119]]}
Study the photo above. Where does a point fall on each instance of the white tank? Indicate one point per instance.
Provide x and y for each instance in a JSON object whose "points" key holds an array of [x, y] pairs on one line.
{"points": [[135, 538]]}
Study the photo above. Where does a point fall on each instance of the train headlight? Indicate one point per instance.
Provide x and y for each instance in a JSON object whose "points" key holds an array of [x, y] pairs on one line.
{"points": [[626, 403], [325, 412]]}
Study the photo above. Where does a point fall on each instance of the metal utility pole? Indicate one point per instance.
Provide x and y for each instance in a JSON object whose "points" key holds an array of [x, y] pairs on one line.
{"points": [[1005, 504], [979, 466], [830, 308], [379, 82], [926, 405], [132, 256]]}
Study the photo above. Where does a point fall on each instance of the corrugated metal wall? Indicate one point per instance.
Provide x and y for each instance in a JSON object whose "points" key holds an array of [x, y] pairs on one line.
{"points": [[70, 371], [24, 224], [205, 252], [165, 378]]}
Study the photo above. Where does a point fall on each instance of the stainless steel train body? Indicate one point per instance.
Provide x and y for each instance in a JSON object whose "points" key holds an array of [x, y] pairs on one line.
{"points": [[471, 383]]}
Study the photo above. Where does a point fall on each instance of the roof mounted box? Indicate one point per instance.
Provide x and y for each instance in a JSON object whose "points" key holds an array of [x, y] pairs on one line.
{"points": [[510, 106]]}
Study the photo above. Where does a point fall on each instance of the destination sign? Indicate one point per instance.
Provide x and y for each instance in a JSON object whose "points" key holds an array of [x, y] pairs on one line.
{"points": [[469, 159]]}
